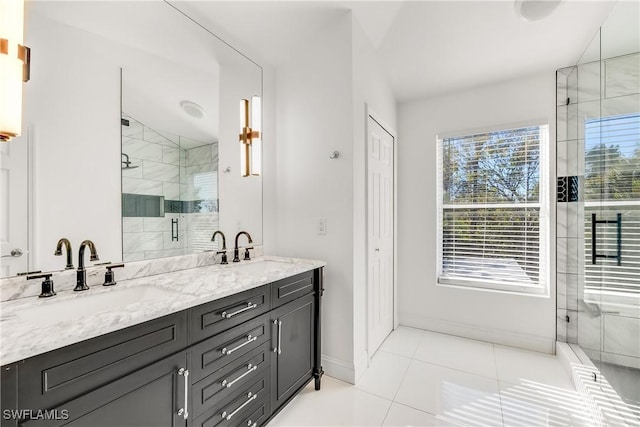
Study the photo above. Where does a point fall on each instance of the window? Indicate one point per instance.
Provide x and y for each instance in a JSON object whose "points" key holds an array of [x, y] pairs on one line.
{"points": [[492, 210]]}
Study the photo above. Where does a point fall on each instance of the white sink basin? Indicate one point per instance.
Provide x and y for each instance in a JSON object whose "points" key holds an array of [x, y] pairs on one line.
{"points": [[82, 305], [261, 267]]}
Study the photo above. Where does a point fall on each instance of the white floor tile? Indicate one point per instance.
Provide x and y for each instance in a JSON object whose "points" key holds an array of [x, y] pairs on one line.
{"points": [[467, 355], [517, 366], [403, 341], [451, 395], [404, 416], [336, 404], [532, 403], [465, 382], [384, 375]]}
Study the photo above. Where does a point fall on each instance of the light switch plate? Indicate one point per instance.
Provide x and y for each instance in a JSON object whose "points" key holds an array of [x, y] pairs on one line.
{"points": [[322, 226]]}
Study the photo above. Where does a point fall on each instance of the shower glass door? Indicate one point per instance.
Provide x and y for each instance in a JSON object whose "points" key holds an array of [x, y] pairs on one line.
{"points": [[609, 132]]}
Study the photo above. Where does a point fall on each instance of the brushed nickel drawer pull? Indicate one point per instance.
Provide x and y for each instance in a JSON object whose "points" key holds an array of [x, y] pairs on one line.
{"points": [[254, 424], [250, 368], [249, 306], [250, 339], [184, 412], [251, 397]]}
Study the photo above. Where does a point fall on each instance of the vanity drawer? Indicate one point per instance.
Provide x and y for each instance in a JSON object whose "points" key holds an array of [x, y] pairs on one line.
{"points": [[212, 318], [58, 376], [219, 351], [258, 416], [240, 406], [224, 382], [291, 288]]}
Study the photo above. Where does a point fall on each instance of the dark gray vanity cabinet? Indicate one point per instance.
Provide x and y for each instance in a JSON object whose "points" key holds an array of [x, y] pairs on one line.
{"points": [[293, 343], [230, 362]]}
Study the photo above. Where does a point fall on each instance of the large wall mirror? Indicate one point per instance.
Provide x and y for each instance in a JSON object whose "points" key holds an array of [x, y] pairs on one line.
{"points": [[130, 136]]}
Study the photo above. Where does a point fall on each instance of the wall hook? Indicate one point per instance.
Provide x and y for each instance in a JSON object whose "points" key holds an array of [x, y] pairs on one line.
{"points": [[227, 169], [334, 155]]}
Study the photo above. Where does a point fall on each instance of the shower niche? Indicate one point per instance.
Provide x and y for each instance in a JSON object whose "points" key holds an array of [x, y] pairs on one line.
{"points": [[169, 192]]}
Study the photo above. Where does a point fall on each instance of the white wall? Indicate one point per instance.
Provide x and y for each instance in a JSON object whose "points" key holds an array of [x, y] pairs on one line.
{"points": [[372, 93], [511, 319], [321, 97], [313, 118]]}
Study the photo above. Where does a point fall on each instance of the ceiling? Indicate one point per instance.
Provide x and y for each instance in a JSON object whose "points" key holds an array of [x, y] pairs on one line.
{"points": [[425, 47]]}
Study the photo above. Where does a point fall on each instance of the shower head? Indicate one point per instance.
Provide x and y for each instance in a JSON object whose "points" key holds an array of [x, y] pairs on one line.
{"points": [[126, 163]]}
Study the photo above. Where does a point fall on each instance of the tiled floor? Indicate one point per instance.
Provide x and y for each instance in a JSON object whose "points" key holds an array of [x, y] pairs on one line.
{"points": [[421, 378]]}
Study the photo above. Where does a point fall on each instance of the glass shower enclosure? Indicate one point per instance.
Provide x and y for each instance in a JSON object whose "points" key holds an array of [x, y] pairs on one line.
{"points": [[598, 212]]}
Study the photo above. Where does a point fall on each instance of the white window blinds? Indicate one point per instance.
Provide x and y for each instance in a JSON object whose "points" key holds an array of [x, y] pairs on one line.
{"points": [[491, 216]]}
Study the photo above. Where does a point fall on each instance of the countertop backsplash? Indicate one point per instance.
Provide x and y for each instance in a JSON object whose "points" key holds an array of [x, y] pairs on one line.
{"points": [[19, 287]]}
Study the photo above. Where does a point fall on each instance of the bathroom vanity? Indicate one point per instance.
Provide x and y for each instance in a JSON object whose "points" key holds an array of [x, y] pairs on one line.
{"points": [[232, 356]]}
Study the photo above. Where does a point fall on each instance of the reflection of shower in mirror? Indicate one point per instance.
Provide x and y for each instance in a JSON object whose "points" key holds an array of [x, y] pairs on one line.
{"points": [[126, 164]]}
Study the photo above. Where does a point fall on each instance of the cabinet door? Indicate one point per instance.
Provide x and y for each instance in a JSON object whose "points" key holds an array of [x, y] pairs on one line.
{"points": [[152, 396], [9, 395], [293, 341]]}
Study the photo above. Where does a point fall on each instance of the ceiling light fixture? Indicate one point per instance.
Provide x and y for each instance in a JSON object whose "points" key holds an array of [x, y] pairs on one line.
{"points": [[14, 67], [191, 108], [535, 10], [250, 129]]}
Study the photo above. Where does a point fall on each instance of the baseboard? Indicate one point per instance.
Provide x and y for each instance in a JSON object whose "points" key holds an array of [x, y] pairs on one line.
{"points": [[361, 365], [496, 336], [339, 369]]}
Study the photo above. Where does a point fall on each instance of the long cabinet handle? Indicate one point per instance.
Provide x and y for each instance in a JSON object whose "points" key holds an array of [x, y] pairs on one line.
{"points": [[251, 398], [184, 412], [278, 348], [227, 351], [250, 369], [249, 306]]}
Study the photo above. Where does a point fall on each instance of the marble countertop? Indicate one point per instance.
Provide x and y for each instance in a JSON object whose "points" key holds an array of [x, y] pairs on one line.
{"points": [[23, 336]]}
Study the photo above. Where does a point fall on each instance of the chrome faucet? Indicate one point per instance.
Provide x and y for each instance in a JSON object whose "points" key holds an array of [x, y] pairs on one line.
{"points": [[236, 257], [81, 283], [224, 246], [67, 247]]}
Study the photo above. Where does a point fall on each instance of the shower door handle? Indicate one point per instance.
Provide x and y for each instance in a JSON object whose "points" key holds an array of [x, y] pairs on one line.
{"points": [[175, 236], [594, 242]]}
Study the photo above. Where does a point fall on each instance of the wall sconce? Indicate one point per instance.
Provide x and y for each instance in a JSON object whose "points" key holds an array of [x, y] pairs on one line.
{"points": [[250, 133], [14, 67]]}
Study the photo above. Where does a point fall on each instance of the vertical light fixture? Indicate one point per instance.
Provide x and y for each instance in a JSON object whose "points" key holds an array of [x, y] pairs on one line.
{"points": [[14, 67], [250, 134]]}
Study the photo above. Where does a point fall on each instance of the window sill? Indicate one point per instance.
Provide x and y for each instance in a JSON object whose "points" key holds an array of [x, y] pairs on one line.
{"points": [[520, 290]]}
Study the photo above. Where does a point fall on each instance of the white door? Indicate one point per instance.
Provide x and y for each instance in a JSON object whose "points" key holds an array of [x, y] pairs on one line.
{"points": [[379, 234], [13, 206]]}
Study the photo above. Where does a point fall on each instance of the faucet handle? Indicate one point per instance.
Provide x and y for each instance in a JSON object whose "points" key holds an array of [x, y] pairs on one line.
{"points": [[47, 284], [224, 257], [247, 257], [109, 276]]}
